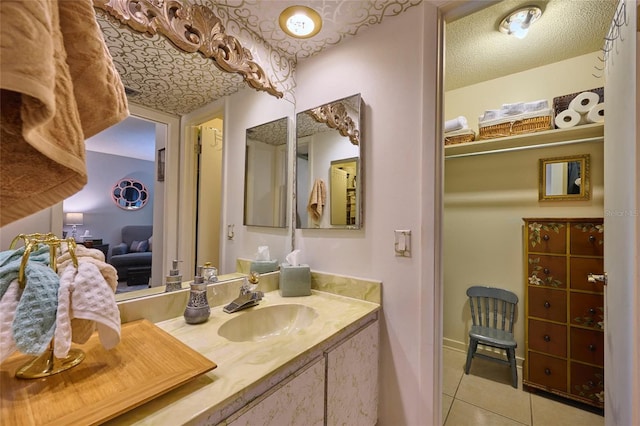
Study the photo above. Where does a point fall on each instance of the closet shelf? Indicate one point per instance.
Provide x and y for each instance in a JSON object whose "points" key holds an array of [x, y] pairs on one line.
{"points": [[579, 134]]}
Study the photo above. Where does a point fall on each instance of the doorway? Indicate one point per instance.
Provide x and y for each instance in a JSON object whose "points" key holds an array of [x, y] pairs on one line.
{"points": [[486, 196], [209, 162]]}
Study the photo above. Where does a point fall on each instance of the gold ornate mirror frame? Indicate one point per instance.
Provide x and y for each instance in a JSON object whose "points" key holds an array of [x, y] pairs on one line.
{"points": [[565, 178], [191, 28]]}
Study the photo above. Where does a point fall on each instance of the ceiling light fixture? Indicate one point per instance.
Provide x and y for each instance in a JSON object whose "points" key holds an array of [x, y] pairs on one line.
{"points": [[517, 23], [300, 21]]}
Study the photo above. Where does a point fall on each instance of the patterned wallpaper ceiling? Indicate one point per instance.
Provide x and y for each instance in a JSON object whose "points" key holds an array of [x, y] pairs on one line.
{"points": [[162, 78], [165, 79]]}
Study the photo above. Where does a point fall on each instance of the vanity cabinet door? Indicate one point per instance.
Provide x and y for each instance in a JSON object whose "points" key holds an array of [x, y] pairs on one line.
{"points": [[352, 379], [298, 401]]}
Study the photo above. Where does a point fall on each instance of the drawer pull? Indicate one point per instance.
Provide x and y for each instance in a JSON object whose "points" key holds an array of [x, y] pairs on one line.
{"points": [[547, 371], [592, 311], [546, 271], [591, 383], [545, 237], [547, 338], [592, 347], [547, 304], [592, 239]]}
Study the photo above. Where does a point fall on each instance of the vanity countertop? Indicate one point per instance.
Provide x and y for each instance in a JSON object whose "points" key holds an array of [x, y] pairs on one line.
{"points": [[246, 369]]}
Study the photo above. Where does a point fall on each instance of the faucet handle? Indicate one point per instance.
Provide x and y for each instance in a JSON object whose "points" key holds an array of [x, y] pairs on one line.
{"points": [[254, 277]]}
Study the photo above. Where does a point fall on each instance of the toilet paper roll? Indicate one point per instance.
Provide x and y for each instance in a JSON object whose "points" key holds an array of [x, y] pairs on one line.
{"points": [[583, 102], [568, 118], [596, 114]]}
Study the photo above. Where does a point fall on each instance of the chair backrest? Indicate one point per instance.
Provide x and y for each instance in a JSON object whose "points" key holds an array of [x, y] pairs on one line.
{"points": [[132, 233], [492, 307]]}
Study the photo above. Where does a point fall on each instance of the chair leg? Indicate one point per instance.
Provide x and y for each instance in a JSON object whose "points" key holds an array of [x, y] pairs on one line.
{"points": [[473, 345], [511, 355]]}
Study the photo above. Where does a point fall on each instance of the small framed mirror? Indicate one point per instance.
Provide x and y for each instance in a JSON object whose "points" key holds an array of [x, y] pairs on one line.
{"points": [[329, 166], [130, 194], [564, 178], [265, 183]]}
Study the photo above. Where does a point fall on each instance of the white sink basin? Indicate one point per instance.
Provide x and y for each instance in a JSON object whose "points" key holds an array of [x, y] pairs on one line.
{"points": [[271, 321]]}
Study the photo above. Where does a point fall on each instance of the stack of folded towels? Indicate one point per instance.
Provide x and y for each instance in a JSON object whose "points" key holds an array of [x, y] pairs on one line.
{"points": [[456, 127], [515, 111], [66, 306]]}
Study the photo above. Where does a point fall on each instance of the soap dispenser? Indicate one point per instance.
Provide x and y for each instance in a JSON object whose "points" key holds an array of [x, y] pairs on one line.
{"points": [[174, 279], [197, 310]]}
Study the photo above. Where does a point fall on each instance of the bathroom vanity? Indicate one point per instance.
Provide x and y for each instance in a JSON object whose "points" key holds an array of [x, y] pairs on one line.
{"points": [[327, 366]]}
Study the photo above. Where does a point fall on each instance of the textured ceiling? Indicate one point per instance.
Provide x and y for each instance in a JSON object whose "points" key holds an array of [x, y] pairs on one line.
{"points": [[476, 51]]}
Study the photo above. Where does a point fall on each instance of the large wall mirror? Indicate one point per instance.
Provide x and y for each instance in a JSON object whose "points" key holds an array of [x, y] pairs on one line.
{"points": [[265, 191], [329, 166], [564, 178]]}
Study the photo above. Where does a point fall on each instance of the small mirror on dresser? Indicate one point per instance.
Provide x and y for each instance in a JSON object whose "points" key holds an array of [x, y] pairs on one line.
{"points": [[564, 178]]}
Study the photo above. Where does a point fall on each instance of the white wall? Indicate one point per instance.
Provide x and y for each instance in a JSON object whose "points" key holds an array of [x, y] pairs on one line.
{"points": [[385, 65]]}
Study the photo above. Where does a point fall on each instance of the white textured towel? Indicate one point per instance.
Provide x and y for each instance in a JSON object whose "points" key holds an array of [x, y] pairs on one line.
{"points": [[513, 109], [85, 295], [8, 305], [94, 256], [454, 124]]}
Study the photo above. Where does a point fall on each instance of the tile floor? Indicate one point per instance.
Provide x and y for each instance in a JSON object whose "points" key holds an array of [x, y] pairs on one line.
{"points": [[486, 397]]}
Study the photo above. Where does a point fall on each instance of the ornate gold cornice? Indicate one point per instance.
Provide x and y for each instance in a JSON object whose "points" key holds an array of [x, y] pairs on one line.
{"points": [[191, 28], [335, 116]]}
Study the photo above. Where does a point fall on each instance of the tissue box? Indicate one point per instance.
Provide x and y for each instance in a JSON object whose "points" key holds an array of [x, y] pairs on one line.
{"points": [[295, 280], [263, 266]]}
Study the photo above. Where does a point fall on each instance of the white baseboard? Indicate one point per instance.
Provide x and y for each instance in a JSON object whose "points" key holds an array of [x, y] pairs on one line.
{"points": [[458, 346]]}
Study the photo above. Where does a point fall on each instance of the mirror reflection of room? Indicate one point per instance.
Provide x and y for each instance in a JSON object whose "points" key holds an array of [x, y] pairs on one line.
{"points": [[117, 204], [328, 166], [565, 178], [266, 175]]}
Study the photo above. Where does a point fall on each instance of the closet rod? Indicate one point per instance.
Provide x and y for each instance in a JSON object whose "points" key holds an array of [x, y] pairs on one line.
{"points": [[523, 148]]}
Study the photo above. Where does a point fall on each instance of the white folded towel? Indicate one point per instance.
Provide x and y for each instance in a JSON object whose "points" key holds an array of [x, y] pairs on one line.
{"points": [[491, 114], [536, 105], [455, 124], [512, 109], [84, 294], [514, 118], [8, 306]]}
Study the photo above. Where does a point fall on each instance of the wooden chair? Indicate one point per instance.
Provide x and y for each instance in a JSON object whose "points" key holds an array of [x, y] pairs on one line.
{"points": [[493, 313]]}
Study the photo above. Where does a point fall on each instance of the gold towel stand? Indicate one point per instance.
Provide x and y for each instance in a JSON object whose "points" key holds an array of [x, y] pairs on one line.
{"points": [[46, 364]]}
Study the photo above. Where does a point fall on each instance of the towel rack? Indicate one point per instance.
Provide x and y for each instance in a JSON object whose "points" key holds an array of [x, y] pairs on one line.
{"points": [[46, 364]]}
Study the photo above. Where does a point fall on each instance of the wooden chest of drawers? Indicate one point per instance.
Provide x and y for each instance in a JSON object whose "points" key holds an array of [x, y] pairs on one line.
{"points": [[564, 311]]}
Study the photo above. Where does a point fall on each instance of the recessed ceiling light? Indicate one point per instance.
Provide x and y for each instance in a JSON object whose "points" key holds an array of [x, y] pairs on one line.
{"points": [[517, 23], [300, 21]]}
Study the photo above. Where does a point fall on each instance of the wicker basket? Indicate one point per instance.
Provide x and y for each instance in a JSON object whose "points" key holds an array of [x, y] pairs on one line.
{"points": [[458, 139], [561, 103], [517, 127]]}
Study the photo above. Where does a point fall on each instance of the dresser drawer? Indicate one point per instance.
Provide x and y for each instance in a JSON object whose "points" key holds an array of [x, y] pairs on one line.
{"points": [[587, 346], [587, 382], [548, 303], [587, 238], [580, 268], [547, 237], [548, 337], [549, 271], [587, 310], [547, 371]]}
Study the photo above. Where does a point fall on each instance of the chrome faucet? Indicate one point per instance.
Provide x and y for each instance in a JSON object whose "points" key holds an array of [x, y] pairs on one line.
{"points": [[248, 297]]}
